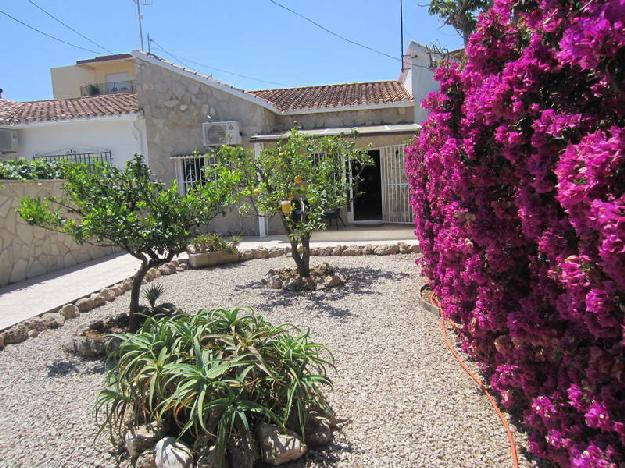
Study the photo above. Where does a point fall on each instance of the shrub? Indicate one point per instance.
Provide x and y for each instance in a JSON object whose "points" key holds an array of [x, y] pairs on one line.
{"points": [[24, 169], [215, 243], [518, 184], [300, 180], [214, 374], [127, 209]]}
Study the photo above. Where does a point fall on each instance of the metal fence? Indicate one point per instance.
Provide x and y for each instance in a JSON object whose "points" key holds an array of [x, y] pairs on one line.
{"points": [[395, 198], [111, 87], [79, 158]]}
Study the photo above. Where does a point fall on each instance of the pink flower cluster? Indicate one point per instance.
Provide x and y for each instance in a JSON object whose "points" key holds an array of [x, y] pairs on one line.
{"points": [[517, 180]]}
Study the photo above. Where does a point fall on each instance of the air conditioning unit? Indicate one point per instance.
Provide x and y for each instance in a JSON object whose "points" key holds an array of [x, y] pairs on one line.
{"points": [[8, 141], [221, 133]]}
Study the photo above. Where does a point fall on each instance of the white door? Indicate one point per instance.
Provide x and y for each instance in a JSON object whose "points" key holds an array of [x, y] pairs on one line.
{"points": [[395, 204]]}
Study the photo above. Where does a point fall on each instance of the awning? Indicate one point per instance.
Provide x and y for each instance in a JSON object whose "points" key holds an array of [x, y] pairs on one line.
{"points": [[372, 130]]}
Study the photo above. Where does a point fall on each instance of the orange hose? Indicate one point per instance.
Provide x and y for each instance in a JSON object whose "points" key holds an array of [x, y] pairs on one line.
{"points": [[479, 383]]}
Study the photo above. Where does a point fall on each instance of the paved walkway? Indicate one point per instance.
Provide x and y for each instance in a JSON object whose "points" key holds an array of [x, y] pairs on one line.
{"points": [[21, 301]]}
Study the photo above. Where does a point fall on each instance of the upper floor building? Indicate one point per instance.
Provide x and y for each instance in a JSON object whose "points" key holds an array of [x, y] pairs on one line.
{"points": [[98, 76]]}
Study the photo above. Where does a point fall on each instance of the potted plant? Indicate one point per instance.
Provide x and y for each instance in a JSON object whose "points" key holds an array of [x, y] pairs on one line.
{"points": [[210, 250]]}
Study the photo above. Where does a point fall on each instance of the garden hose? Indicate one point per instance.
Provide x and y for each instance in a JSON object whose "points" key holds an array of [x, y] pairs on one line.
{"points": [[478, 382]]}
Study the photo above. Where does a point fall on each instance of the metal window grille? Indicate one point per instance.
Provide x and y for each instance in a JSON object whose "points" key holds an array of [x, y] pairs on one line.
{"points": [[395, 201], [79, 158], [189, 170]]}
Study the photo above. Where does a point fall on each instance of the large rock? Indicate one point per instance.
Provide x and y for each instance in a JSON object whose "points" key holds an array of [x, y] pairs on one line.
{"points": [[318, 430], [171, 454], [45, 321], [279, 447], [108, 294], [146, 459], [86, 304], [1, 341], [15, 334], [166, 269], [139, 439], [386, 250], [69, 311], [260, 253], [353, 251]]}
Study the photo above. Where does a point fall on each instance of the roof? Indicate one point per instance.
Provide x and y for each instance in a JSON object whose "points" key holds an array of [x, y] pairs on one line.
{"points": [[105, 58], [304, 99], [336, 95], [370, 130], [14, 113]]}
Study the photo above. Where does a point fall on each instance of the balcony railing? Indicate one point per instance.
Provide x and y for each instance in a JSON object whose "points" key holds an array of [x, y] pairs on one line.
{"points": [[90, 159], [112, 87]]}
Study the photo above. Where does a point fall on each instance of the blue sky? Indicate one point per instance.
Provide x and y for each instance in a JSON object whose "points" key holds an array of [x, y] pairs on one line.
{"points": [[250, 37]]}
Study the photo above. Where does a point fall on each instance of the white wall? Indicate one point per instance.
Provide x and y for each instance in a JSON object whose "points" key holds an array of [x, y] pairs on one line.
{"points": [[123, 136], [419, 77]]}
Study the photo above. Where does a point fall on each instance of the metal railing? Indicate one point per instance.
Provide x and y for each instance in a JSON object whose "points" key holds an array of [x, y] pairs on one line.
{"points": [[79, 158], [112, 87], [189, 169]]}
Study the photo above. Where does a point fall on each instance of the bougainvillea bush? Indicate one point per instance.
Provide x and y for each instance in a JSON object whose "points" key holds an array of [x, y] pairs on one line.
{"points": [[518, 184]]}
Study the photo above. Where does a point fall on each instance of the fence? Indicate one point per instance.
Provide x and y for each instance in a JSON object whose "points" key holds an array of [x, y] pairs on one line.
{"points": [[80, 158]]}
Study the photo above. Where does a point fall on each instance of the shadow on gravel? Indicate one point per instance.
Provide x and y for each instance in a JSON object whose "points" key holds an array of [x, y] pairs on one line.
{"points": [[323, 456], [61, 368], [360, 281]]}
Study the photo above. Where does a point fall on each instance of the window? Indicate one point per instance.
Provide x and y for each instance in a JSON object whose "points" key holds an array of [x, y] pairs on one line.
{"points": [[189, 170]]}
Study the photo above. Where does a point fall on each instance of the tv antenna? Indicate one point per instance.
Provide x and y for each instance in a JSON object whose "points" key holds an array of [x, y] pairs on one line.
{"points": [[140, 17]]}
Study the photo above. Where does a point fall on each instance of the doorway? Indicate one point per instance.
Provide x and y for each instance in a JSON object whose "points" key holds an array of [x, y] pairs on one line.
{"points": [[368, 199]]}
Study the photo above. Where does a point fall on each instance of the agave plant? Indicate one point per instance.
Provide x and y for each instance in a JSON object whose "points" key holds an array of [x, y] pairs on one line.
{"points": [[215, 374]]}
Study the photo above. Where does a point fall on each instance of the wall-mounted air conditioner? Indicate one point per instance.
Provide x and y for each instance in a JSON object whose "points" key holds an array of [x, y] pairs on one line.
{"points": [[221, 133], [8, 141]]}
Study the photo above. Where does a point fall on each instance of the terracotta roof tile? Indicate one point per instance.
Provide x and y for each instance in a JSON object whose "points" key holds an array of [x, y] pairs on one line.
{"points": [[338, 95], [12, 113]]}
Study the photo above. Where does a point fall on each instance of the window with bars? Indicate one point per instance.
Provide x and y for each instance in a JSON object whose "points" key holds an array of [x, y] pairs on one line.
{"points": [[189, 170]]}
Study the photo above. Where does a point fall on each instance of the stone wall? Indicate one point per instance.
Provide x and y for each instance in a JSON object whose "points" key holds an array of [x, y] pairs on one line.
{"points": [[27, 251], [174, 107]]}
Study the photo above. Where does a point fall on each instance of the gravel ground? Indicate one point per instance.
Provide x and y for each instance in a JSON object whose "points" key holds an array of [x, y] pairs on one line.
{"points": [[404, 400]]}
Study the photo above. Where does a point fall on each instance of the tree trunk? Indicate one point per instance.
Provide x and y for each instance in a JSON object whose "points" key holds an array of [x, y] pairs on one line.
{"points": [[302, 265], [305, 271], [134, 297]]}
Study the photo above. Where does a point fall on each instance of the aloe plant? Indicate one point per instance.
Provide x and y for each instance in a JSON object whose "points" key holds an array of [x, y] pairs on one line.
{"points": [[214, 374]]}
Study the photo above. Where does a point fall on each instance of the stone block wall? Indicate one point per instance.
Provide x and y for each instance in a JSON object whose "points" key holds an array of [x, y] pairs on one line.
{"points": [[27, 251]]}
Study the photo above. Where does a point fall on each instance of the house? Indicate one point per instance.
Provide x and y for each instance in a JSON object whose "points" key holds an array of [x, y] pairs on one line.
{"points": [[169, 113], [94, 115]]}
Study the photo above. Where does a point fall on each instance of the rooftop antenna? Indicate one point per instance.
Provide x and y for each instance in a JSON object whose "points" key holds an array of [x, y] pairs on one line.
{"points": [[140, 17], [401, 31]]}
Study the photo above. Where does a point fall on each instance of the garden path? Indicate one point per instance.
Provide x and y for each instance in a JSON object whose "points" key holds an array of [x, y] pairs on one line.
{"points": [[21, 301]]}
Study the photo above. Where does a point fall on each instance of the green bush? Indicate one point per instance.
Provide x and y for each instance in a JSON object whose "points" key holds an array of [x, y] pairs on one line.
{"points": [[24, 169], [214, 375], [215, 243]]}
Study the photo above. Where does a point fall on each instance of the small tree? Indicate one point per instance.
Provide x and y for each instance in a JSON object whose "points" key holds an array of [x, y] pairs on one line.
{"points": [[103, 205], [301, 179], [459, 14]]}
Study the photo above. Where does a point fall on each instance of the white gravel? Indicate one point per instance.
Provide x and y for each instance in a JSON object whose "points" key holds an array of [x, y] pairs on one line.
{"points": [[404, 400]]}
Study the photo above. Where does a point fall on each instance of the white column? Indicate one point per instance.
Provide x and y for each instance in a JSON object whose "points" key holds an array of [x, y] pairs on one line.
{"points": [[262, 221]]}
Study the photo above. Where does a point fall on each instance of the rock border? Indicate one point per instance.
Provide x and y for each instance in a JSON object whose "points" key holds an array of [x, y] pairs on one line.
{"points": [[57, 316]]}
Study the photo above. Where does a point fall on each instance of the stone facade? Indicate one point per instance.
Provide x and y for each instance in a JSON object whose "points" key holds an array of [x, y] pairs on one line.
{"points": [[176, 102], [27, 251]]}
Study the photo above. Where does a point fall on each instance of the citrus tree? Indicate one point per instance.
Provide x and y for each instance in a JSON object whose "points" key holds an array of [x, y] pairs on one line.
{"points": [[300, 179], [103, 205]]}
